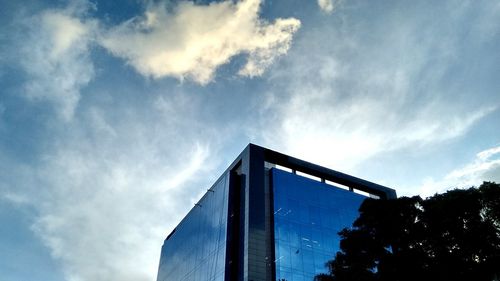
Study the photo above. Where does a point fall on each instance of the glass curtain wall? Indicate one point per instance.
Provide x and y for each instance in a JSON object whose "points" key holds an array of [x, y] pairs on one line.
{"points": [[196, 250], [308, 214]]}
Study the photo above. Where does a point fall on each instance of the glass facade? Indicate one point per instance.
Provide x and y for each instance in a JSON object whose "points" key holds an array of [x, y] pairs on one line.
{"points": [[196, 249], [307, 217], [260, 223]]}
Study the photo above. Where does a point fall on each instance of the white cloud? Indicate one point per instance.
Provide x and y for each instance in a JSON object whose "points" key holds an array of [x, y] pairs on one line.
{"points": [[55, 55], [344, 135], [487, 154], [424, 130], [485, 167], [111, 184], [328, 5], [107, 191], [15, 198], [104, 218], [324, 113], [193, 40], [365, 91]]}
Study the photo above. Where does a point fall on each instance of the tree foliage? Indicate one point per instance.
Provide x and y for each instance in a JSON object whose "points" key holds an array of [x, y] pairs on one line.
{"points": [[450, 236]]}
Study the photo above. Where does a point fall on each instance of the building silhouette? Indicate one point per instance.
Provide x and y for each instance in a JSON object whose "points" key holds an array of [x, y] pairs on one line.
{"points": [[268, 217]]}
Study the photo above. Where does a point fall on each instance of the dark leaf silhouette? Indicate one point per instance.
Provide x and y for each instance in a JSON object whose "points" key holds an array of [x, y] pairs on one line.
{"points": [[450, 236]]}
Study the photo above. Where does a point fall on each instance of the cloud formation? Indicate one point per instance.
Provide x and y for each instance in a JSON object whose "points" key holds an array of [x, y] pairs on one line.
{"points": [[354, 96], [193, 40], [109, 185], [188, 41], [107, 192], [328, 5], [114, 214], [55, 56], [485, 167]]}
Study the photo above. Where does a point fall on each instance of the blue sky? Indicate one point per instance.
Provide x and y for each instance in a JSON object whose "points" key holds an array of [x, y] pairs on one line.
{"points": [[116, 116]]}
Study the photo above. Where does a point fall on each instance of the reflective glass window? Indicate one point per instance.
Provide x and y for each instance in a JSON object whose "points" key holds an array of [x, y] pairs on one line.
{"points": [[307, 217], [196, 250]]}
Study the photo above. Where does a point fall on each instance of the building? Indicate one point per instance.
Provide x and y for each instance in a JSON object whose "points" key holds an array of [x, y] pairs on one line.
{"points": [[268, 217]]}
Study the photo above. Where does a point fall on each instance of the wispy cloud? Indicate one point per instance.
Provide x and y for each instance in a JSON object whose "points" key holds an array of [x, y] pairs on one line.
{"points": [[107, 186], [102, 215], [55, 55], [108, 191], [485, 167], [187, 41], [354, 96], [193, 40]]}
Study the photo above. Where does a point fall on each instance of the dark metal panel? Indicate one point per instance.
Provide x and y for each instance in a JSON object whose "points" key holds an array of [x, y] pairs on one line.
{"points": [[236, 230]]}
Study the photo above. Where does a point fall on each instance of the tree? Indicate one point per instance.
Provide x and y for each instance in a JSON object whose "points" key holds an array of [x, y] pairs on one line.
{"points": [[450, 236]]}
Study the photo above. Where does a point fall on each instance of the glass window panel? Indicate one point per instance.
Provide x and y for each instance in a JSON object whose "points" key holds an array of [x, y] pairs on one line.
{"points": [[283, 256], [285, 274], [294, 234], [297, 276], [308, 260], [196, 250], [296, 258], [316, 213], [293, 208], [319, 263], [282, 230], [317, 238], [303, 211], [305, 232], [309, 277]]}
